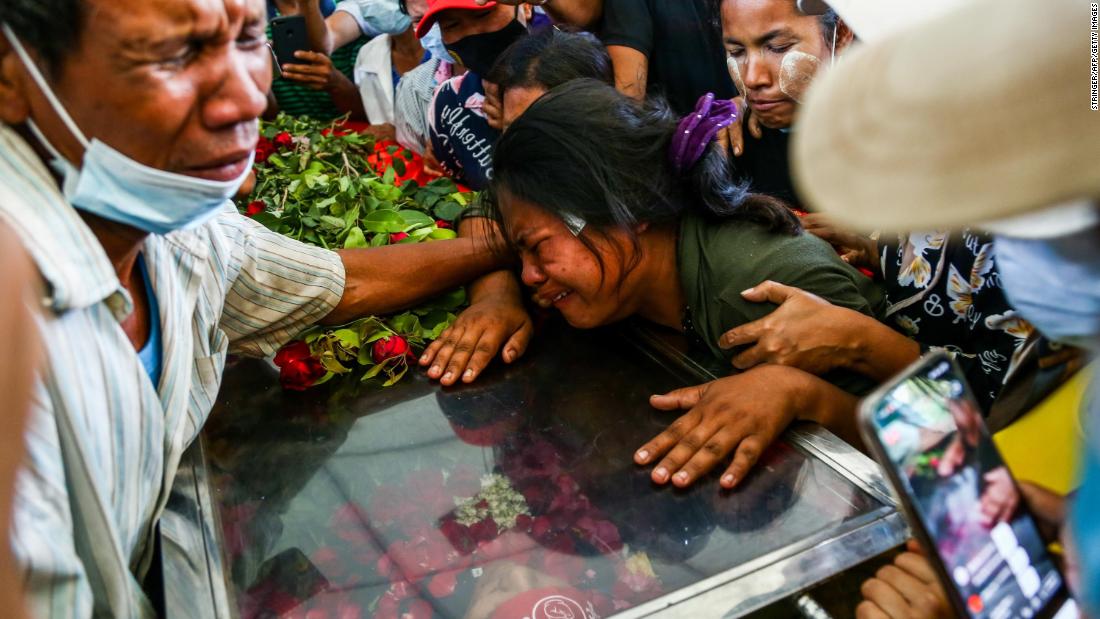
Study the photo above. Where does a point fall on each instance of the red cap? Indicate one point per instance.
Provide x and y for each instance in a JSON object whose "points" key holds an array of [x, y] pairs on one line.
{"points": [[435, 7]]}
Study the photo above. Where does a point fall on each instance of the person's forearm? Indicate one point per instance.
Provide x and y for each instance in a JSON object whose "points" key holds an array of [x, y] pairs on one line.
{"points": [[380, 280], [631, 69], [498, 283], [830, 406], [580, 13], [316, 30], [881, 352], [346, 97]]}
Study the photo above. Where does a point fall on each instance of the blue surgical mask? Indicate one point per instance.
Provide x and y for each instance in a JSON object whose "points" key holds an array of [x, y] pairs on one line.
{"points": [[115, 187], [383, 16], [1055, 284], [432, 42]]}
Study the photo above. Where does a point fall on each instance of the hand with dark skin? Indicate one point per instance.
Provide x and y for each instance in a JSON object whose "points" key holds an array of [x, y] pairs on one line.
{"points": [[317, 72], [855, 249], [495, 321], [741, 414], [732, 138], [492, 107], [811, 334]]}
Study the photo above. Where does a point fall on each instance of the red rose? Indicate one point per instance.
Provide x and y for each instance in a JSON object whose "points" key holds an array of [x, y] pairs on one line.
{"points": [[397, 237], [284, 140], [298, 369], [389, 347], [264, 149], [255, 207]]}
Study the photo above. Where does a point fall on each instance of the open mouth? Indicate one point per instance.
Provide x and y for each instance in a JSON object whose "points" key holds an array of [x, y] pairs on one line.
{"points": [[547, 301]]}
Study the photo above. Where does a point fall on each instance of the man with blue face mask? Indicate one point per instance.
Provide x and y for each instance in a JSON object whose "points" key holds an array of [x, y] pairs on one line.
{"points": [[126, 127], [966, 144]]}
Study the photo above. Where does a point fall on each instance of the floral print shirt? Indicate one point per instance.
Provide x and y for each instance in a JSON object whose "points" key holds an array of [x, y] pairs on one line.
{"points": [[944, 291]]}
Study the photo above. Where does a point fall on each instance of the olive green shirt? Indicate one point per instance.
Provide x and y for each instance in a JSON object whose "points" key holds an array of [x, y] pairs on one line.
{"points": [[720, 258]]}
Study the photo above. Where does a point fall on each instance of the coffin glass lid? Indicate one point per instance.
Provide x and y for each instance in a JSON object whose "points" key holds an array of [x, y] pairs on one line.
{"points": [[512, 497]]}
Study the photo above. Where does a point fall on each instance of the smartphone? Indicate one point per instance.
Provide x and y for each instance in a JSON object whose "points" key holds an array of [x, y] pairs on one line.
{"points": [[288, 35], [926, 430]]}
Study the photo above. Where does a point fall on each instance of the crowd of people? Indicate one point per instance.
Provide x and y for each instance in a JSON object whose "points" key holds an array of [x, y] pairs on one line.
{"points": [[813, 206]]}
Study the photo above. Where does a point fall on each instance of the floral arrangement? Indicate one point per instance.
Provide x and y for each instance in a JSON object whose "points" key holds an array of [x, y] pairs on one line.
{"points": [[329, 186]]}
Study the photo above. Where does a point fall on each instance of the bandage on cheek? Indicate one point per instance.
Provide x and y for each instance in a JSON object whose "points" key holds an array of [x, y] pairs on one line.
{"points": [[735, 75], [796, 71]]}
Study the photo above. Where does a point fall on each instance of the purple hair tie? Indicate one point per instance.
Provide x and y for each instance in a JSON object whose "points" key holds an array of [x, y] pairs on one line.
{"points": [[696, 131]]}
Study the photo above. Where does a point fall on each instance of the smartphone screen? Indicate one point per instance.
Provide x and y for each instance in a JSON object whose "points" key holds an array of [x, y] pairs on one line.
{"points": [[929, 429]]}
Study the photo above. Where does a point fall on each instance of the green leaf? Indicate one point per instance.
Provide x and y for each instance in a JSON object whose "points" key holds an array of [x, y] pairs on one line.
{"points": [[406, 323], [389, 176], [449, 301], [459, 197], [348, 338], [396, 376], [442, 234], [355, 239], [416, 218], [448, 210], [399, 165], [268, 220], [333, 222], [383, 220], [372, 372]]}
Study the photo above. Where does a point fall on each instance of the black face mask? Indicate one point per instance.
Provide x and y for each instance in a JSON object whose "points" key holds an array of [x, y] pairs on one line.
{"points": [[478, 52]]}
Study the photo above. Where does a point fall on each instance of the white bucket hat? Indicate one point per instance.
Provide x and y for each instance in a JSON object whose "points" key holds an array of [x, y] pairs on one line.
{"points": [[979, 114]]}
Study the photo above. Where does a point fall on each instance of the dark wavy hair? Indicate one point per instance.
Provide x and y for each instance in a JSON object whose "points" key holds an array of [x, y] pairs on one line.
{"points": [[550, 58], [585, 150]]}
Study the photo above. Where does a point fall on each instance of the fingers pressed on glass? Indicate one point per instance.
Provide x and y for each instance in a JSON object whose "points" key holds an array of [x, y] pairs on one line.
{"points": [[460, 356], [432, 349], [517, 344], [672, 466], [748, 452], [713, 451], [486, 346], [665, 441], [444, 352]]}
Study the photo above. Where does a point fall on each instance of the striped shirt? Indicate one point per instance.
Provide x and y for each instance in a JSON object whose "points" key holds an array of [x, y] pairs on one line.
{"points": [[104, 443]]}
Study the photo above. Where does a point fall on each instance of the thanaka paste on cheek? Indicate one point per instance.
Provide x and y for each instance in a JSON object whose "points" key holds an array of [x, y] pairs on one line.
{"points": [[735, 75], [796, 72]]}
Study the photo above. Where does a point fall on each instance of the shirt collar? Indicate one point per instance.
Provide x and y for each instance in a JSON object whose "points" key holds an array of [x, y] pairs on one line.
{"points": [[70, 258]]}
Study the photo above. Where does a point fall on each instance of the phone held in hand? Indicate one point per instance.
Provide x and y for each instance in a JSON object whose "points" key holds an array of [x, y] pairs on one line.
{"points": [[926, 430], [288, 35]]}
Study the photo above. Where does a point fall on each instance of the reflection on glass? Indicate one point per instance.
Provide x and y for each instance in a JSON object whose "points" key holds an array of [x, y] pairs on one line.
{"points": [[516, 496]]}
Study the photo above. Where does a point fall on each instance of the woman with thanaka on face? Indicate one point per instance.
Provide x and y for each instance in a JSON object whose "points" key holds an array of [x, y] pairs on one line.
{"points": [[941, 287], [773, 52], [617, 208]]}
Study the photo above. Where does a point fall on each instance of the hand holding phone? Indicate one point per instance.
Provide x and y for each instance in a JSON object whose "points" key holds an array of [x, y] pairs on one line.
{"points": [[288, 35], [926, 431]]}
